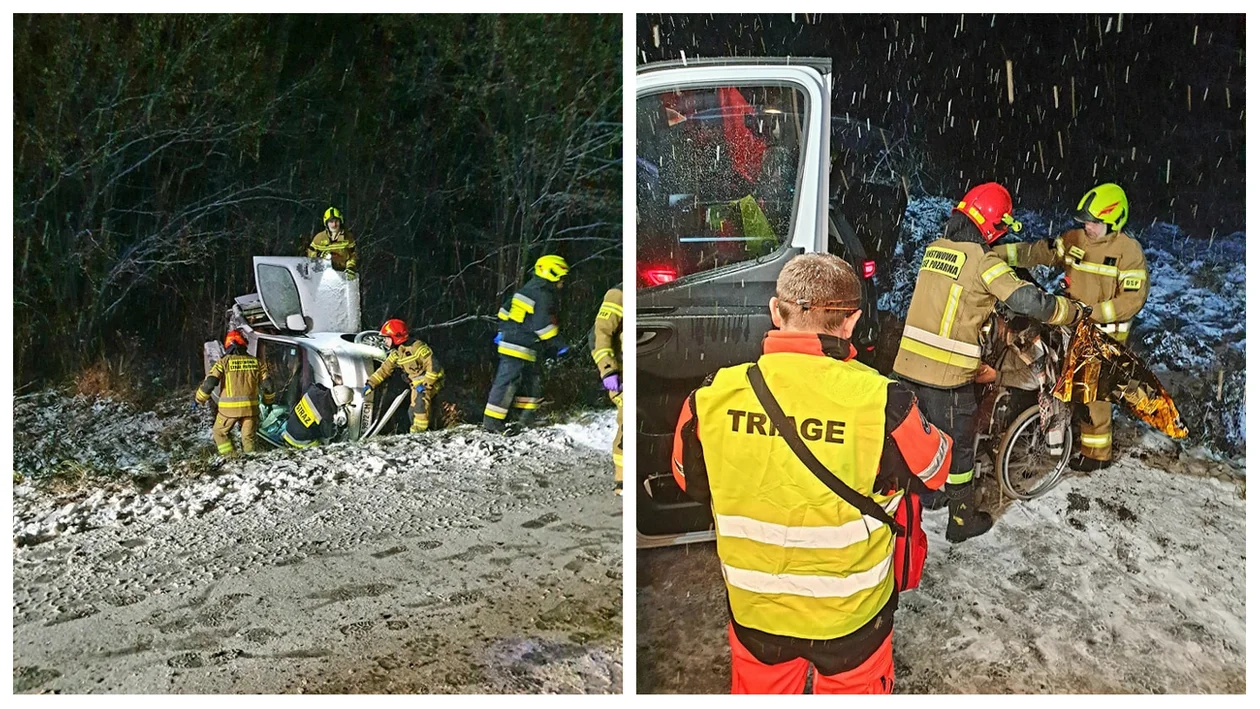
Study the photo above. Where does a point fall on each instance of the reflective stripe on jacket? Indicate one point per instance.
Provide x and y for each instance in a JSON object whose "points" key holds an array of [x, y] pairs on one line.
{"points": [[417, 362], [798, 560], [957, 286], [1108, 274], [528, 321], [340, 251], [240, 378], [607, 351]]}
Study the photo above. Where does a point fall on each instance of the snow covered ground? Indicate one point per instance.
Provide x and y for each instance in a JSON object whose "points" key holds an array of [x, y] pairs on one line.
{"points": [[1131, 580], [452, 561], [1191, 330]]}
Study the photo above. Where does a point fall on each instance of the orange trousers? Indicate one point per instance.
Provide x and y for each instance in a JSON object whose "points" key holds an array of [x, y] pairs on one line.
{"points": [[751, 676]]}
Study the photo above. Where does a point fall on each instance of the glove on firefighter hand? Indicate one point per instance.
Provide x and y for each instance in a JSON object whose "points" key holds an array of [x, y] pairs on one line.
{"points": [[612, 382], [194, 406], [367, 389], [562, 351], [419, 388], [1082, 312], [498, 337]]}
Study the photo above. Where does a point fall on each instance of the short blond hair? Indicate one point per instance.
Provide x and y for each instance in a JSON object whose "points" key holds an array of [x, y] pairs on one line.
{"points": [[817, 291]]}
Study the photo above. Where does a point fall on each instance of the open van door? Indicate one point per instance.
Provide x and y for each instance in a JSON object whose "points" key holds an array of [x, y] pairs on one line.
{"points": [[293, 285], [732, 170]]}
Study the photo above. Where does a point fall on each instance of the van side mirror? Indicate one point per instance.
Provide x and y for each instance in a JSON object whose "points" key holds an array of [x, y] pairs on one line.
{"points": [[342, 394], [295, 323]]}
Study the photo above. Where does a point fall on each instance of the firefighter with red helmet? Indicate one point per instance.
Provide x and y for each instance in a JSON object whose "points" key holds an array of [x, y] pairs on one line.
{"points": [[1104, 268], [241, 379], [418, 363], [960, 279]]}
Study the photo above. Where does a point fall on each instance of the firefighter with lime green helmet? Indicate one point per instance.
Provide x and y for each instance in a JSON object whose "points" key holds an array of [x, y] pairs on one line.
{"points": [[528, 331], [335, 243], [1104, 268]]}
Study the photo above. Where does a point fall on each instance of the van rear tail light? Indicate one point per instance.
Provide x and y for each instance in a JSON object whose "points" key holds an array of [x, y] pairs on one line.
{"points": [[868, 269], [658, 275]]}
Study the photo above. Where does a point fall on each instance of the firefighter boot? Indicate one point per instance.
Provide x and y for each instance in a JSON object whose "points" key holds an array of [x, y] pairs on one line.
{"points": [[965, 521]]}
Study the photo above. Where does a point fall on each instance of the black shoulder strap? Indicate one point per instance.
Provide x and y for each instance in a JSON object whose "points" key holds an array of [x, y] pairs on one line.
{"points": [[866, 505]]}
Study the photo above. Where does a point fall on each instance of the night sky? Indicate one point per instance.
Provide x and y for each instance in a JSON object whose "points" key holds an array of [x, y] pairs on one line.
{"points": [[1153, 102]]}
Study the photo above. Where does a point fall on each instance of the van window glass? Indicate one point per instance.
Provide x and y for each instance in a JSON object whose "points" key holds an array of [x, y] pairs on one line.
{"points": [[717, 173], [278, 292]]}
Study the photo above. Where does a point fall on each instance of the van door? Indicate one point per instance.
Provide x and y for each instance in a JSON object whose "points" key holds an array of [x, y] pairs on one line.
{"points": [[290, 285], [732, 170]]}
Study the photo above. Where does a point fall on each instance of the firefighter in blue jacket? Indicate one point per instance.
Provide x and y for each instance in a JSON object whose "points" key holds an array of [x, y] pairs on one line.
{"points": [[527, 331]]}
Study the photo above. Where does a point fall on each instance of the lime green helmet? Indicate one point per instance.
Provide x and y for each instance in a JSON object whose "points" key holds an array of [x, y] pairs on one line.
{"points": [[332, 213], [551, 267], [1105, 203]]}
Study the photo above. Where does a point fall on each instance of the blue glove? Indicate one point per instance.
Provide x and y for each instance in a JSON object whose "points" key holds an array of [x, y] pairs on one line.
{"points": [[420, 388], [562, 351], [195, 405], [367, 388], [498, 337]]}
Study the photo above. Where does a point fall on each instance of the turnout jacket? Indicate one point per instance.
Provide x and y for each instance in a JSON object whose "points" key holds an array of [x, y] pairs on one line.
{"points": [[957, 286], [1108, 274], [528, 321], [340, 251], [242, 378], [417, 362], [607, 350], [798, 560], [312, 418]]}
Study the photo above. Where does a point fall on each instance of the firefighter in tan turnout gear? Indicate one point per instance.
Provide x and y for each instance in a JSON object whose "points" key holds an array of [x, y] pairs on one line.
{"points": [[334, 243], [417, 362], [606, 352], [1105, 269], [241, 378], [960, 280]]}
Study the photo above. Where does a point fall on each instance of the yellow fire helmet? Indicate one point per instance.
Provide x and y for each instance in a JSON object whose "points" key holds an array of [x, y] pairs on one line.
{"points": [[551, 267], [332, 213], [1105, 203]]}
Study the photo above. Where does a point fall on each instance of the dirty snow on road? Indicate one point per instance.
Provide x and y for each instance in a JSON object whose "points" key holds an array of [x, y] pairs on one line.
{"points": [[1129, 580], [452, 561]]}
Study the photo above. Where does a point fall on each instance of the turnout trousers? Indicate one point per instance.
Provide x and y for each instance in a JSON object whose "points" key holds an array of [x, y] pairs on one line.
{"points": [[1096, 430], [222, 432], [751, 676], [515, 394], [421, 406]]}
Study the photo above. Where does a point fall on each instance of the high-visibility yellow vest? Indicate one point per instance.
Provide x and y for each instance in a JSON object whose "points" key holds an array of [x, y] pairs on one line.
{"points": [[798, 560]]}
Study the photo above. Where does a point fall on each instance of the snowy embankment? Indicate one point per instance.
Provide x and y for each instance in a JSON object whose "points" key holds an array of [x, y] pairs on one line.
{"points": [[130, 449], [450, 561], [1192, 331]]}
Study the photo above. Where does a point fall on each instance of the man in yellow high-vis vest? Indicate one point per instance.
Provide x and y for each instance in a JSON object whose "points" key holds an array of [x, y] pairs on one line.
{"points": [[809, 578]]}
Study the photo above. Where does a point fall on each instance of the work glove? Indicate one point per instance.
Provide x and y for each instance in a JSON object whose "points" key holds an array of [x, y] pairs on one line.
{"points": [[1082, 312], [419, 388], [562, 351], [367, 389], [498, 337], [612, 382], [194, 406]]}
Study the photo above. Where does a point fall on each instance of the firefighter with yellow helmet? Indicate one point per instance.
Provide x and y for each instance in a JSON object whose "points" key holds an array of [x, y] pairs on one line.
{"points": [[240, 378], [960, 280], [1104, 268], [606, 351], [528, 330], [334, 243], [416, 360]]}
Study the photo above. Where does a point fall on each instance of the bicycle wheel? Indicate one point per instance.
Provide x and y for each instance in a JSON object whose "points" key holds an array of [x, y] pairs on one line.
{"points": [[1024, 464]]}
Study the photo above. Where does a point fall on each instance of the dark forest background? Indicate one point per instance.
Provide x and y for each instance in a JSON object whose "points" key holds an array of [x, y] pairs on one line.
{"points": [[1153, 102], [155, 155]]}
